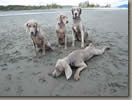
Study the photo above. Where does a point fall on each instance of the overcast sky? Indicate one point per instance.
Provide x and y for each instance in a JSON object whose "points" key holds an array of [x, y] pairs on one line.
{"points": [[61, 2]]}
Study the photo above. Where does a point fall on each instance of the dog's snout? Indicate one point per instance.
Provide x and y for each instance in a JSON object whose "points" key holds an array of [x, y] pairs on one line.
{"points": [[66, 21]]}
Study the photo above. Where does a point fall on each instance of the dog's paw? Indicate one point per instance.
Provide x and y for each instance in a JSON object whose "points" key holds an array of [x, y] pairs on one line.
{"points": [[76, 77], [35, 56], [73, 45], [65, 48], [107, 47], [82, 45]]}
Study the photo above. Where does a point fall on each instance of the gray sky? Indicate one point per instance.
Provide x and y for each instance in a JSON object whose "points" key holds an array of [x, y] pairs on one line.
{"points": [[61, 2]]}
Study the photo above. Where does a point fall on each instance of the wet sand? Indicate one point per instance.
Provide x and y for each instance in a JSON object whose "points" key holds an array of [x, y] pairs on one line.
{"points": [[106, 75]]}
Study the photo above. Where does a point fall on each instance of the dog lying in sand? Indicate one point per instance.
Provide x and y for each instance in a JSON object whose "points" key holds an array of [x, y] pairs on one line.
{"points": [[77, 58], [38, 36], [78, 29], [62, 20]]}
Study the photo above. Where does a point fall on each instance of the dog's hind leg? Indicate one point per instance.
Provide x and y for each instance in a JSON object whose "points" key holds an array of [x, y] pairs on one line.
{"points": [[43, 48], [49, 46], [100, 51]]}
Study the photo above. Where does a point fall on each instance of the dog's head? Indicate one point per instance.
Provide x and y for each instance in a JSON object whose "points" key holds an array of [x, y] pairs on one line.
{"points": [[62, 66], [62, 19], [32, 27], [76, 12]]}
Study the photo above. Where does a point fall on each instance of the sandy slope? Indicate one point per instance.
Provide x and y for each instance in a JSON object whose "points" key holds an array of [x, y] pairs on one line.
{"points": [[106, 75]]}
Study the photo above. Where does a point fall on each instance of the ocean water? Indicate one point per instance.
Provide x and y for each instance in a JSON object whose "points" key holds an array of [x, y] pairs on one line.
{"points": [[50, 11]]}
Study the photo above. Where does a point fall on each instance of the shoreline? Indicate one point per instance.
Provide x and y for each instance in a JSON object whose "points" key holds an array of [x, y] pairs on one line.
{"points": [[41, 11]]}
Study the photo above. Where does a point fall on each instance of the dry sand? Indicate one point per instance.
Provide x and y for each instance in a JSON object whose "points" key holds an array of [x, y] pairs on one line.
{"points": [[21, 75]]}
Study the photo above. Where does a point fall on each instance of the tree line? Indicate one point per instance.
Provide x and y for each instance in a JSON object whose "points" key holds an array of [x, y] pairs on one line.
{"points": [[86, 4], [22, 7]]}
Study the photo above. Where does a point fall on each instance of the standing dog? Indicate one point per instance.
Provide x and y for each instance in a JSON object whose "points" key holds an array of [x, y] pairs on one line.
{"points": [[38, 36], [62, 20], [78, 29], [77, 58]]}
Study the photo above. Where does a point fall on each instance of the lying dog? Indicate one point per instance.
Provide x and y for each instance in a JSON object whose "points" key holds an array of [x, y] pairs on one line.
{"points": [[78, 29], [62, 20], [38, 36], [77, 58]]}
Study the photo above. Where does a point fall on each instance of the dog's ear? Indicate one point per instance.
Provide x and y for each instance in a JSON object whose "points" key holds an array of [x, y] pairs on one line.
{"points": [[36, 23], [37, 26], [59, 19], [26, 25], [68, 71], [80, 11]]}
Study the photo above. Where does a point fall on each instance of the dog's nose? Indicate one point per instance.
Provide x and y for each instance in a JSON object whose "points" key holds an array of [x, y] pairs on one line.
{"points": [[66, 21], [75, 14]]}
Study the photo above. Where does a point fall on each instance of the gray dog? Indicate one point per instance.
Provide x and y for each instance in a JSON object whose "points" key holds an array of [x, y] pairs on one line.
{"points": [[77, 58], [38, 36], [62, 20], [78, 29]]}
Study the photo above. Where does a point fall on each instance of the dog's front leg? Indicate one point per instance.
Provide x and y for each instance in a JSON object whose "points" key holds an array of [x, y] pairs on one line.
{"points": [[100, 51], [43, 52], [65, 41], [82, 37], [73, 38], [35, 48], [57, 41]]}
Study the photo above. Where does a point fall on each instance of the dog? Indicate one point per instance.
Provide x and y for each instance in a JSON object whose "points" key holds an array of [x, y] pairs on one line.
{"points": [[77, 59], [78, 29], [38, 36], [62, 20]]}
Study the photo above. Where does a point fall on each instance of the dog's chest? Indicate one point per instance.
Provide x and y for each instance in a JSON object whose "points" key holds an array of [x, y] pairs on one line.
{"points": [[38, 41], [61, 38], [60, 33], [61, 30], [76, 29]]}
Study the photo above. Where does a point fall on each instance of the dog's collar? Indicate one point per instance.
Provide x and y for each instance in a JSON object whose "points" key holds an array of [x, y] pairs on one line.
{"points": [[36, 32], [70, 60]]}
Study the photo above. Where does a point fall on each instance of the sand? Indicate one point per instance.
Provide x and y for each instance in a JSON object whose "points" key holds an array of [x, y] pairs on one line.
{"points": [[21, 75]]}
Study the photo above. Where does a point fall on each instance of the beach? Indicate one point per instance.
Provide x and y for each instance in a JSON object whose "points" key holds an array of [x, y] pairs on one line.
{"points": [[22, 75]]}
